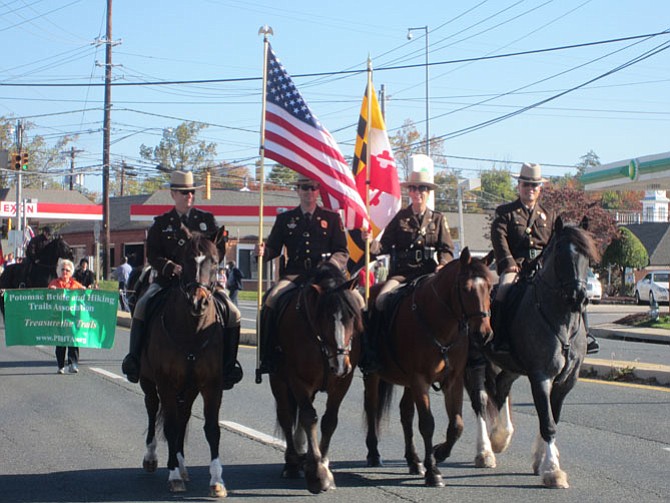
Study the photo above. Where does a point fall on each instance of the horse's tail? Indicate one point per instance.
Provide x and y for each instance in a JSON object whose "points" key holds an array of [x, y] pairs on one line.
{"points": [[385, 390]]}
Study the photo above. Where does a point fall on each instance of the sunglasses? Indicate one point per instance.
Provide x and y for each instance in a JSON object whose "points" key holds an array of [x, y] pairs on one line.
{"points": [[308, 187], [185, 192], [530, 184], [420, 188]]}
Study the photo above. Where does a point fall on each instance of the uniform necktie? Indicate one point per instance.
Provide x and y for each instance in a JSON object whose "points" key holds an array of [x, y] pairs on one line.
{"points": [[184, 219], [308, 218]]}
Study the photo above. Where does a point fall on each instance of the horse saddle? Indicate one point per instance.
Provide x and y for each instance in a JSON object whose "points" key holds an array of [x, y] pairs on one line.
{"points": [[505, 312]]}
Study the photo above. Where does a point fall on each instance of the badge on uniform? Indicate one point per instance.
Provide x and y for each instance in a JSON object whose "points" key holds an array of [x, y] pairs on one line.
{"points": [[292, 225], [543, 216], [324, 224], [203, 226]]}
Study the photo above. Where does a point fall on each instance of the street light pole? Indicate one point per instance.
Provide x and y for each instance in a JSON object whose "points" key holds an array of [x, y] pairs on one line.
{"points": [[409, 37]]}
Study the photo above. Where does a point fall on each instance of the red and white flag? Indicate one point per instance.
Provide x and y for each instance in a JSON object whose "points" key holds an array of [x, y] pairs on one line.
{"points": [[295, 138]]}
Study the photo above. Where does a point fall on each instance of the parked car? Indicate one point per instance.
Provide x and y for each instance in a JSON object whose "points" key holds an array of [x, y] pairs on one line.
{"points": [[654, 286], [594, 290]]}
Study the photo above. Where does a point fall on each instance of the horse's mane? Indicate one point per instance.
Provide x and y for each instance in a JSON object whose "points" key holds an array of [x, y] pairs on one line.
{"points": [[330, 278], [582, 240], [199, 243]]}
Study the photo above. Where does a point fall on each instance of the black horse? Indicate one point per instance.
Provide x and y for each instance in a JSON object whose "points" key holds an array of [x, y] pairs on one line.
{"points": [[37, 274], [548, 341]]}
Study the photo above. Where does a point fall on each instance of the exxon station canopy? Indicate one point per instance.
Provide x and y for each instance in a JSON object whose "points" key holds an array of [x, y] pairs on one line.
{"points": [[651, 172]]}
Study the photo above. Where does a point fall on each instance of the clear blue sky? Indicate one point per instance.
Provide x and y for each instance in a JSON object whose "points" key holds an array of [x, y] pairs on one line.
{"points": [[625, 114]]}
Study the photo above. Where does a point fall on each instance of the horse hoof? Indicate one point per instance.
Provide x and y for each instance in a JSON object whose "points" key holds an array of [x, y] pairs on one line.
{"points": [[374, 462], [556, 480], [434, 480], [485, 460], [441, 452], [218, 490], [176, 486], [150, 465], [417, 469]]}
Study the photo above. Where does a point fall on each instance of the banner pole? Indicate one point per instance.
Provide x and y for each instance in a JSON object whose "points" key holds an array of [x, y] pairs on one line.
{"points": [[265, 30], [368, 126]]}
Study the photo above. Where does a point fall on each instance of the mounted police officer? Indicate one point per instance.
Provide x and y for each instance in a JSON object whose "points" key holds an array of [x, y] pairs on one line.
{"points": [[520, 231], [418, 241], [37, 244], [165, 241], [305, 235]]}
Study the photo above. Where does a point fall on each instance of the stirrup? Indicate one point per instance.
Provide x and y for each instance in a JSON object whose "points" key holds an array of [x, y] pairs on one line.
{"points": [[592, 345]]}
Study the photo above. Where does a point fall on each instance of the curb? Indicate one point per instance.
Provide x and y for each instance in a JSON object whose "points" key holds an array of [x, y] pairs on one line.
{"points": [[610, 369], [621, 332]]}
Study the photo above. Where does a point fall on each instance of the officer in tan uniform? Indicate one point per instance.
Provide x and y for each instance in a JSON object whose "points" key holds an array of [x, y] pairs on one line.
{"points": [[418, 241], [305, 235], [519, 233], [165, 240]]}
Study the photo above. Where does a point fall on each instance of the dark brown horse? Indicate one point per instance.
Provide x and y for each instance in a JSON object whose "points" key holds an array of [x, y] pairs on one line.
{"points": [[183, 359], [427, 343], [548, 344], [36, 274], [319, 334]]}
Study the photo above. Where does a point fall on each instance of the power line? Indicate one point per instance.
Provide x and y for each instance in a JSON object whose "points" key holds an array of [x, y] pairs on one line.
{"points": [[344, 72]]}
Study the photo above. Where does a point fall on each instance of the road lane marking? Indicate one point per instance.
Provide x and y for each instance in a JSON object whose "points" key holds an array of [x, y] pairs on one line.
{"points": [[625, 384], [106, 373], [253, 434]]}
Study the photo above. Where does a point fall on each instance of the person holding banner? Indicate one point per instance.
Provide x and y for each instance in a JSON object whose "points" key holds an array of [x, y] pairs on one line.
{"points": [[65, 269], [414, 238], [167, 236], [310, 234]]}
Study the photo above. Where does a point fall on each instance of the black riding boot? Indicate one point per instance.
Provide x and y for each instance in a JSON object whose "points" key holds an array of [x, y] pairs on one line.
{"points": [[232, 370], [592, 345], [131, 363], [500, 333], [370, 358], [268, 352]]}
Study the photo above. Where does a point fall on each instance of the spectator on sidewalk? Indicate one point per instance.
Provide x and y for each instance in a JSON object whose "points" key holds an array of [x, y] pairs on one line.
{"points": [[84, 275]]}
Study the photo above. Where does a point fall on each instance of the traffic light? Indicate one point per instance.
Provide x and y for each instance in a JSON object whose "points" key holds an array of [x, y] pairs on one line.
{"points": [[24, 161], [16, 161]]}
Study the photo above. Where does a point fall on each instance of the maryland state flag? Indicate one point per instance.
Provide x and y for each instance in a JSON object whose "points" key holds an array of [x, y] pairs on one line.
{"points": [[384, 186]]}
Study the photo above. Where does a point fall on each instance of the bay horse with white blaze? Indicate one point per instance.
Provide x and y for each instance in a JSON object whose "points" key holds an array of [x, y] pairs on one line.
{"points": [[427, 343], [319, 335], [548, 344], [183, 359]]}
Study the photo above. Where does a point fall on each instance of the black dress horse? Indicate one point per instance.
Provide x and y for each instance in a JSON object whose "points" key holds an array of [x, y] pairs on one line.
{"points": [[548, 341], [36, 274], [183, 359]]}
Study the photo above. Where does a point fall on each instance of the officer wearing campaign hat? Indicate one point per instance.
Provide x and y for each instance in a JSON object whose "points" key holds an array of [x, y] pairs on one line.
{"points": [[309, 234], [520, 231], [166, 239]]}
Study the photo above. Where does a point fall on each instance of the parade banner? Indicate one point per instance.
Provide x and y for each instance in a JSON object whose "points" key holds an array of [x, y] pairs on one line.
{"points": [[56, 317]]}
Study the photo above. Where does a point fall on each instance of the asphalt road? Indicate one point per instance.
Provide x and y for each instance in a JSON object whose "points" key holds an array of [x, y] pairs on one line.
{"points": [[77, 438]]}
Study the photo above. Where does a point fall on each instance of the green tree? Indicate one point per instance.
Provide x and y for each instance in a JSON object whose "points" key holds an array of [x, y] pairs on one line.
{"points": [[281, 176], [180, 149], [497, 185], [588, 160], [625, 251]]}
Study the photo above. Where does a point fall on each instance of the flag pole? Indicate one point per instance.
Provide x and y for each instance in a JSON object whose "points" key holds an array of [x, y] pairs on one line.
{"points": [[265, 30], [368, 127]]}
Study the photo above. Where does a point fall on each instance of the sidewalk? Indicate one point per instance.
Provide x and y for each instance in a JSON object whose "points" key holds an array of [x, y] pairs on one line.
{"points": [[592, 366]]}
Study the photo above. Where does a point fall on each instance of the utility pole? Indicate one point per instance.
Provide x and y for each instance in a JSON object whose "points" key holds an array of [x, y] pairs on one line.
{"points": [[73, 152], [106, 129], [18, 251]]}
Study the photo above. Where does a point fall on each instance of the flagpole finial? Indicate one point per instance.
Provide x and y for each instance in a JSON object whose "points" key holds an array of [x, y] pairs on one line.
{"points": [[265, 30]]}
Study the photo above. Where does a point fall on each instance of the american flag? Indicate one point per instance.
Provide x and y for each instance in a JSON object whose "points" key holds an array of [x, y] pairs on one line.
{"points": [[295, 138]]}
